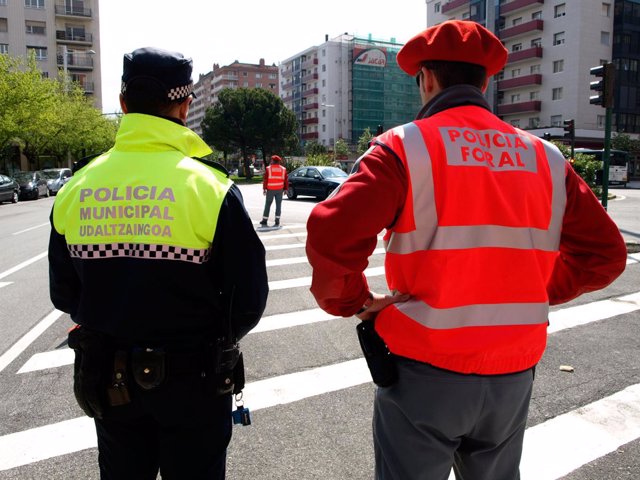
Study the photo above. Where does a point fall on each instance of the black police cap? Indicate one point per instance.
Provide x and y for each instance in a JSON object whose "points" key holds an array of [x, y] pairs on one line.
{"points": [[169, 69]]}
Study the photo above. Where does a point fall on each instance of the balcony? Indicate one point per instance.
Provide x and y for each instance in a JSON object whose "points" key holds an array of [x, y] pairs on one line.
{"points": [[310, 121], [310, 91], [453, 5], [523, 81], [522, 107], [309, 136], [309, 62], [522, 55], [516, 5], [312, 76], [72, 11], [310, 106], [76, 61], [522, 29], [71, 37]]}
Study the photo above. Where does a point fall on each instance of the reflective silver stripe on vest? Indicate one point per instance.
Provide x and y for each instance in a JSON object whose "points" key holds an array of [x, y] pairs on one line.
{"points": [[482, 315], [428, 235]]}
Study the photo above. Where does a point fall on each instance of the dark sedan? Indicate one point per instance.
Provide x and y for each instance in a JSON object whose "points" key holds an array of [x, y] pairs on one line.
{"points": [[314, 181], [32, 184], [9, 189]]}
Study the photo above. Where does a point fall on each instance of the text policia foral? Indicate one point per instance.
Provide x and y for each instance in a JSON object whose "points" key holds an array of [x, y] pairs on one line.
{"points": [[130, 206]]}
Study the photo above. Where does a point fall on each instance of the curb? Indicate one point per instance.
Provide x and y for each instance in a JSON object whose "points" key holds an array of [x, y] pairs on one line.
{"points": [[633, 247]]}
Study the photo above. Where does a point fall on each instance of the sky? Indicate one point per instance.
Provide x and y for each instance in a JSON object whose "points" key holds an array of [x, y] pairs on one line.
{"points": [[216, 31]]}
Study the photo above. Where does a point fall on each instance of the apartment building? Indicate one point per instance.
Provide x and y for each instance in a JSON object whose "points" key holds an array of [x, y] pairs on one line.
{"points": [[552, 45], [345, 85], [64, 35], [235, 75]]}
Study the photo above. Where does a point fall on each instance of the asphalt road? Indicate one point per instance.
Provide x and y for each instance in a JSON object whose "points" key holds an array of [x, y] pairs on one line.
{"points": [[308, 389]]}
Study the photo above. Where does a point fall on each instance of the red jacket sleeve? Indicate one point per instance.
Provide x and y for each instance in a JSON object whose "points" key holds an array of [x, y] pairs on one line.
{"points": [[343, 230], [592, 251], [265, 178]]}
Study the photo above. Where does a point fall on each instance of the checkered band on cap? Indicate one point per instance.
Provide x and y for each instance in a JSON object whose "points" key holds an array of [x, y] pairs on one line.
{"points": [[139, 250], [180, 92]]}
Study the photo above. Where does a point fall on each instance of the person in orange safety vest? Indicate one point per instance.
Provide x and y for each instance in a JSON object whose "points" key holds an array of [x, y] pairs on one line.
{"points": [[486, 227], [275, 182]]}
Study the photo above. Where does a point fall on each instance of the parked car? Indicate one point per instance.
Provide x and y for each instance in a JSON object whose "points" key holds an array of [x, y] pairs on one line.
{"points": [[32, 184], [9, 189], [314, 181], [56, 178]]}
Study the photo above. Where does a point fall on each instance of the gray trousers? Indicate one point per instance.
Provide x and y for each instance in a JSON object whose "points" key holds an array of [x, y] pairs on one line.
{"points": [[432, 420], [272, 194]]}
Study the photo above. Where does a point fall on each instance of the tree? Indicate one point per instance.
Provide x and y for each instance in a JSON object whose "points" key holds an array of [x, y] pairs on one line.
{"points": [[363, 141], [314, 148], [341, 148], [249, 119], [624, 142], [585, 166]]}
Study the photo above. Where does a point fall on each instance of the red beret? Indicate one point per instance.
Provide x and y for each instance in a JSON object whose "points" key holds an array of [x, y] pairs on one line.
{"points": [[276, 158], [454, 41]]}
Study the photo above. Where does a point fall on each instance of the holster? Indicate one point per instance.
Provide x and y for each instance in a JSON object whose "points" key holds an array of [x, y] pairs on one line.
{"points": [[381, 363], [148, 366], [90, 370], [228, 366]]}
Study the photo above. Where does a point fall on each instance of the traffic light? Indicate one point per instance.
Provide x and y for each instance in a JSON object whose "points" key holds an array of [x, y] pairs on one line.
{"points": [[570, 129], [604, 87]]}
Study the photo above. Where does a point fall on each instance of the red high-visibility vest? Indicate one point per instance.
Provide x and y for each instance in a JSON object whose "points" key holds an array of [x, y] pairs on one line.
{"points": [[275, 176], [475, 243]]}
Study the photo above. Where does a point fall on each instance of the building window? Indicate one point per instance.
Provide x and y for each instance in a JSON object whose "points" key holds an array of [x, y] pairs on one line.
{"points": [[436, 7], [3, 2], [35, 28], [40, 52], [600, 120], [258, 75], [258, 85], [4, 26], [515, 122], [272, 75], [4, 48], [516, 21], [558, 38], [556, 120], [516, 47], [515, 73], [34, 3], [534, 122], [534, 68], [556, 93], [515, 98], [606, 9], [558, 66], [536, 42], [534, 95], [500, 75], [559, 11], [324, 82], [604, 38], [536, 15], [324, 68]]}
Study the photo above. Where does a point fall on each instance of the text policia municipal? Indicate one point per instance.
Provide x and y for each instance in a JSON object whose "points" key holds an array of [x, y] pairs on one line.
{"points": [[138, 193]]}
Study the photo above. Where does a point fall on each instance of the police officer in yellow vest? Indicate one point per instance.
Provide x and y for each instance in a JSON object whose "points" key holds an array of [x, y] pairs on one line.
{"points": [[142, 258]]}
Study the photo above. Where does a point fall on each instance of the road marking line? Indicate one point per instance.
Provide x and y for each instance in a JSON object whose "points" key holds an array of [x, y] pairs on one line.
{"points": [[590, 312], [306, 281], [292, 319], [293, 260], [562, 319], [284, 235], [292, 245], [31, 228], [52, 359], [591, 431], [4, 284], [26, 263], [18, 347], [569, 441], [633, 258]]}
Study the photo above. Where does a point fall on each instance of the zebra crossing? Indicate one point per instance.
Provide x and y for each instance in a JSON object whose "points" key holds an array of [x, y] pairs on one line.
{"points": [[310, 391]]}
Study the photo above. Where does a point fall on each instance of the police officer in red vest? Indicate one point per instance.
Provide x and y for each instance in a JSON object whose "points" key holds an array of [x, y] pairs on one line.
{"points": [[486, 227], [275, 182]]}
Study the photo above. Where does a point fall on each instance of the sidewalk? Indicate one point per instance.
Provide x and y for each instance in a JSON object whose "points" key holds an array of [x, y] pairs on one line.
{"points": [[633, 184]]}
